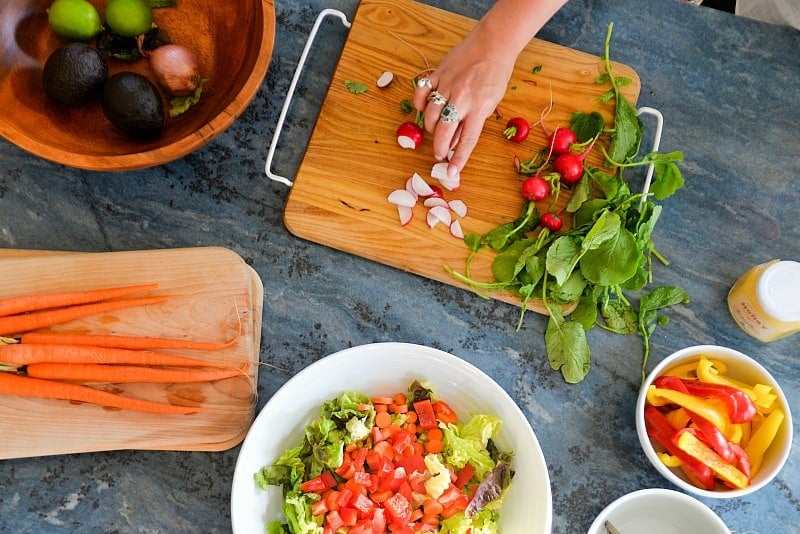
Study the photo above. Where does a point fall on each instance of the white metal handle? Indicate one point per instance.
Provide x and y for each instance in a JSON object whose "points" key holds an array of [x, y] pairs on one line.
{"points": [[290, 93], [656, 143]]}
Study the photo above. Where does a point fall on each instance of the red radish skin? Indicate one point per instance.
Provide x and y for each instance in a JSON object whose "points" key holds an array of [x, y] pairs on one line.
{"points": [[569, 167], [420, 186], [561, 141], [517, 129], [410, 135], [535, 188], [552, 222]]}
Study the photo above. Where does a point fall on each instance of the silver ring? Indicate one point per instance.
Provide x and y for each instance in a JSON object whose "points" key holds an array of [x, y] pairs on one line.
{"points": [[424, 82], [449, 114], [436, 98]]}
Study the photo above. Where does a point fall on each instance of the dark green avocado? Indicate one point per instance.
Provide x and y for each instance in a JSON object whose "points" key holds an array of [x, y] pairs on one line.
{"points": [[132, 103], [73, 73]]}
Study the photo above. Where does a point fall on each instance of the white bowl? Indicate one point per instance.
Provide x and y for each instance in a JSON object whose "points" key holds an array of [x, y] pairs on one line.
{"points": [[744, 369], [659, 511], [377, 369]]}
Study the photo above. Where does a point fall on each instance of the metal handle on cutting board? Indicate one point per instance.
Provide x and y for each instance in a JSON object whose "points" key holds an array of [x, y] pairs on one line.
{"points": [[290, 93], [301, 63]]}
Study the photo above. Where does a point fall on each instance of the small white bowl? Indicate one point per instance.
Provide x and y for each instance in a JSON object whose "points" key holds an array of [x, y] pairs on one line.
{"points": [[744, 369], [659, 511]]}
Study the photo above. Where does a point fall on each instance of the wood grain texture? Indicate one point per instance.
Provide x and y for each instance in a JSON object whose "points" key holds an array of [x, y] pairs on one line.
{"points": [[353, 161], [212, 289], [233, 42]]}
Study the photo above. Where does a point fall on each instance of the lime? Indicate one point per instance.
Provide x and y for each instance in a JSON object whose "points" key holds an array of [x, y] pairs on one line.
{"points": [[128, 18], [74, 19]]}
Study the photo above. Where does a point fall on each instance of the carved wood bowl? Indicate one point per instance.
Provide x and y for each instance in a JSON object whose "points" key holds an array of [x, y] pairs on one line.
{"points": [[233, 42]]}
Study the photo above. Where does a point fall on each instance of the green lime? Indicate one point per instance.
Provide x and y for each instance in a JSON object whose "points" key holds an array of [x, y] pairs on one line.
{"points": [[128, 18], [74, 19]]}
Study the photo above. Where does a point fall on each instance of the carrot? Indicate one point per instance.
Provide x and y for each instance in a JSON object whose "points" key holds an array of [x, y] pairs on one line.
{"points": [[28, 303], [433, 446], [383, 419], [49, 389], [20, 354], [118, 374], [17, 324], [122, 342]]}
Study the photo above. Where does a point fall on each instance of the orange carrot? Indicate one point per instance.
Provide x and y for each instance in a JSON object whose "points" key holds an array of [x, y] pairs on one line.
{"points": [[433, 446], [49, 389], [20, 354], [17, 324], [119, 374], [28, 303], [122, 342], [383, 419]]}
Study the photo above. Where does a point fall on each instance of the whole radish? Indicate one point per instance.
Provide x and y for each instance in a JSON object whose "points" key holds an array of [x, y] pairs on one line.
{"points": [[517, 129], [569, 167], [409, 135], [561, 140], [535, 188], [551, 221]]}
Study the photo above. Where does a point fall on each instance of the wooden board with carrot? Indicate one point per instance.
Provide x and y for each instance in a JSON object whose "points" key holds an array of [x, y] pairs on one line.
{"points": [[173, 369], [353, 160]]}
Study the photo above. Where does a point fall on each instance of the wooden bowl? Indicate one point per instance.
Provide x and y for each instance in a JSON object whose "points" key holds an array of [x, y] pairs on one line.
{"points": [[233, 42]]}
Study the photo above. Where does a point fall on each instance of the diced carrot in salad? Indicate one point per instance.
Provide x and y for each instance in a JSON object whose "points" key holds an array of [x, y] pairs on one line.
{"points": [[398, 463]]}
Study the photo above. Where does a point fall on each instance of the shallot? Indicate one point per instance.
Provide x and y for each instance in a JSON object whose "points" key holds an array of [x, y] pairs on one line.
{"points": [[176, 68]]}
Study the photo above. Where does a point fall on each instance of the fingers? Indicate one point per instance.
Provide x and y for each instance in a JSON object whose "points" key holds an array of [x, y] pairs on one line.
{"points": [[466, 138]]}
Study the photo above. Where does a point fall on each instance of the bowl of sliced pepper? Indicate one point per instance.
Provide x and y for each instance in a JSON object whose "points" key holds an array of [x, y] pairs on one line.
{"points": [[714, 422]]}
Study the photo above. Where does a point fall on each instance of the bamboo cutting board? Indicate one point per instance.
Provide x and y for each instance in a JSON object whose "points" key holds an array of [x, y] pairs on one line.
{"points": [[212, 291], [353, 161]]}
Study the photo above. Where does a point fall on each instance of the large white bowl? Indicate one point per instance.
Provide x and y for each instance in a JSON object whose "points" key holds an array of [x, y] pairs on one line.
{"points": [[383, 368], [659, 511], [744, 369]]}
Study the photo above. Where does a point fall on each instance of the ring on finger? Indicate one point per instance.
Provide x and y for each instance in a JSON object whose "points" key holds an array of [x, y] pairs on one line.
{"points": [[449, 114], [424, 82], [436, 98]]}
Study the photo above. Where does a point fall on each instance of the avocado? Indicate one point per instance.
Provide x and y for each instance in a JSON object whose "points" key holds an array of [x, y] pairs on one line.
{"points": [[132, 103], [73, 73]]}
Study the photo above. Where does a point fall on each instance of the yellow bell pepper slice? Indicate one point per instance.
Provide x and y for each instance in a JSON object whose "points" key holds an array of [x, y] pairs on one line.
{"points": [[710, 410], [689, 370], [678, 418], [691, 445], [763, 438], [669, 460]]}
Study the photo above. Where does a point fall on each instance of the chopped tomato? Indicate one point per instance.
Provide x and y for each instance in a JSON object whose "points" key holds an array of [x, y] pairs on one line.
{"points": [[319, 484], [444, 413]]}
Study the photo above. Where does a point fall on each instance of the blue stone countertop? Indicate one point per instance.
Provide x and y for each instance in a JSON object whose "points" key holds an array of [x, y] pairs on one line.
{"points": [[729, 89]]}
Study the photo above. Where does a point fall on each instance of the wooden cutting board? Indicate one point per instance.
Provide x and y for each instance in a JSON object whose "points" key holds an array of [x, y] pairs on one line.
{"points": [[353, 161], [211, 291]]}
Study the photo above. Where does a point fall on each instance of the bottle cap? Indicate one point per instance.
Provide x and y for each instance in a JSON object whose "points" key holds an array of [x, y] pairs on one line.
{"points": [[778, 291]]}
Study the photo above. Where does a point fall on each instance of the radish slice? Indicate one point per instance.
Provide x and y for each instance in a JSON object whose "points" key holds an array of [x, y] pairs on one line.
{"points": [[441, 213], [439, 171], [459, 207], [450, 185], [431, 202], [455, 229], [410, 189], [385, 79], [420, 186], [432, 219], [401, 197], [405, 213]]}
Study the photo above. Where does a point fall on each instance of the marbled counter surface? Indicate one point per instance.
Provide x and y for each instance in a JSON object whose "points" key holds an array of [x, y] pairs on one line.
{"points": [[729, 89]]}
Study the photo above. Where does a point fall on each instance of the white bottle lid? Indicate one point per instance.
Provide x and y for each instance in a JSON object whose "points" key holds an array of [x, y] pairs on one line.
{"points": [[778, 291]]}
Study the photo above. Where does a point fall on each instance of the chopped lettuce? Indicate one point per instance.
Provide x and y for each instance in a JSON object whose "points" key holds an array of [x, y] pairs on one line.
{"points": [[467, 443], [484, 522], [297, 511]]}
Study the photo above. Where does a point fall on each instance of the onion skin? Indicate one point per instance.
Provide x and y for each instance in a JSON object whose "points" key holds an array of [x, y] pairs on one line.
{"points": [[176, 69]]}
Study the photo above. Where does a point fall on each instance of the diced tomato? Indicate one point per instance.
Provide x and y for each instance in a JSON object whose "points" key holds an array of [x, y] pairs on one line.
{"points": [[381, 496], [444, 413], [334, 520], [401, 440], [393, 482], [405, 490], [319, 484], [362, 527], [412, 463], [319, 507], [349, 516], [464, 476], [363, 504], [380, 434], [359, 457], [426, 417], [343, 499], [451, 495], [331, 499], [362, 478], [384, 448], [398, 508], [379, 521]]}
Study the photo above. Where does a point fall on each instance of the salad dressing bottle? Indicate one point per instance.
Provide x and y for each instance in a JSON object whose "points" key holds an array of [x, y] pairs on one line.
{"points": [[765, 301]]}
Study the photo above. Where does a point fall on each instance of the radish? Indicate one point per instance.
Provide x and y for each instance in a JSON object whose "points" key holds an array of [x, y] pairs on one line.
{"points": [[401, 197], [439, 171], [437, 191], [420, 186], [561, 141], [535, 188], [569, 167], [551, 221], [459, 207], [432, 202], [410, 135], [517, 129], [405, 213], [410, 188], [385, 80], [439, 214], [455, 229]]}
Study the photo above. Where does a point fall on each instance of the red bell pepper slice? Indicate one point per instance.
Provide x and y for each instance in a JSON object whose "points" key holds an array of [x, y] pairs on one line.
{"points": [[444, 413], [398, 508], [318, 484], [426, 417], [741, 408]]}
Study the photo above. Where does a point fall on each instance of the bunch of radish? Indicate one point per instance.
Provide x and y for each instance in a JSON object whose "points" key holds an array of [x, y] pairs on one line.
{"points": [[439, 210]]}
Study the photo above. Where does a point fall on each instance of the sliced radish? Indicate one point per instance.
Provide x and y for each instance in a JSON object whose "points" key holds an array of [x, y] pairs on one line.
{"points": [[431, 202], [459, 207], [432, 219], [409, 135], [405, 213], [410, 189], [437, 191], [441, 213], [450, 185], [385, 79], [439, 170], [420, 186], [455, 229], [401, 197]]}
